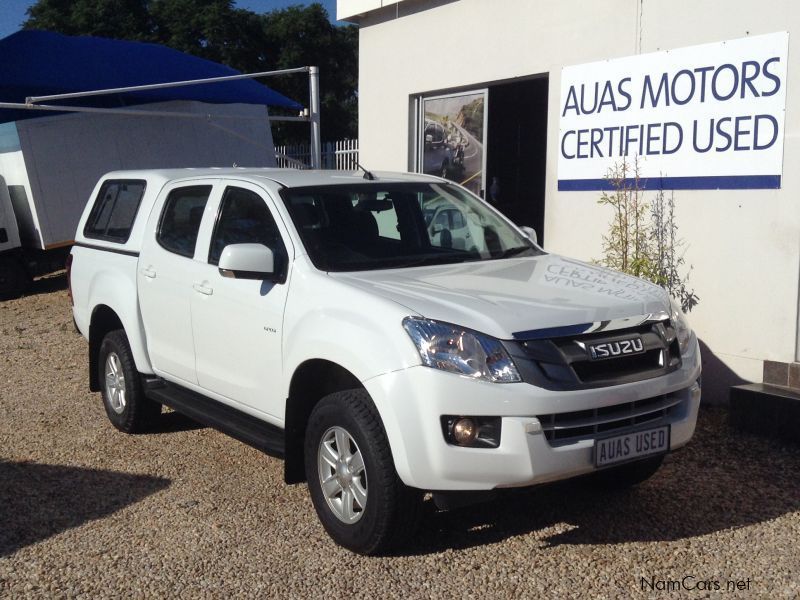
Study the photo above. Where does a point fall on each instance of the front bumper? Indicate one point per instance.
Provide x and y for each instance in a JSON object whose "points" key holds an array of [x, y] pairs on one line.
{"points": [[412, 401]]}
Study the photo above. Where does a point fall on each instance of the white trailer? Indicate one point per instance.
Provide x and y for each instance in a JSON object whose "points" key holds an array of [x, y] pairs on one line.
{"points": [[49, 165]]}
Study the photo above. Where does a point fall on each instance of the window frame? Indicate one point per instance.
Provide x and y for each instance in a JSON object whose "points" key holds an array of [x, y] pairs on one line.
{"points": [[94, 214], [161, 217], [278, 252]]}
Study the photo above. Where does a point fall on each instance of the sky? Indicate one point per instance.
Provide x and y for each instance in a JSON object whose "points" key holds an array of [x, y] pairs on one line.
{"points": [[12, 12]]}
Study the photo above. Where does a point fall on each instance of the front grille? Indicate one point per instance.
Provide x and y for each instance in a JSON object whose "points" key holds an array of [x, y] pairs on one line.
{"points": [[569, 427], [565, 363], [624, 366]]}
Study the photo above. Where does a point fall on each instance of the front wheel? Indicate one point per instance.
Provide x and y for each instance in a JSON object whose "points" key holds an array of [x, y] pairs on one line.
{"points": [[355, 489], [126, 405]]}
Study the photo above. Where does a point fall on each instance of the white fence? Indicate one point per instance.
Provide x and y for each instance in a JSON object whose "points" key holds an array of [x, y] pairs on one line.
{"points": [[341, 155]]}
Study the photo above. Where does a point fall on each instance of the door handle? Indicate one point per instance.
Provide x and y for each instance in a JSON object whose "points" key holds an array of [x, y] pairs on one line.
{"points": [[203, 289], [149, 273]]}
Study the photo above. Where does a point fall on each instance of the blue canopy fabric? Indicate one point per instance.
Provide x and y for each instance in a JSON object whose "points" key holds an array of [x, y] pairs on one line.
{"points": [[39, 63]]}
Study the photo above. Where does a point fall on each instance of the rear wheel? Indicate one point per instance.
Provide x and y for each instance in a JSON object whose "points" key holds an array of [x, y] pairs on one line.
{"points": [[355, 489], [127, 407], [625, 476]]}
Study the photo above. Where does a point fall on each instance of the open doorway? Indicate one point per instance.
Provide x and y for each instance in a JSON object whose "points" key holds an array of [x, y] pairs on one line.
{"points": [[516, 147]]}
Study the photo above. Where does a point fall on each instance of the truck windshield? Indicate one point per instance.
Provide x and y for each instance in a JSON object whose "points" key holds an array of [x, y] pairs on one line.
{"points": [[370, 226]]}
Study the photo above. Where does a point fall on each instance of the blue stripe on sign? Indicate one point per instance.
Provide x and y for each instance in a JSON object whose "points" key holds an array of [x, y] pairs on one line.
{"points": [[729, 182]]}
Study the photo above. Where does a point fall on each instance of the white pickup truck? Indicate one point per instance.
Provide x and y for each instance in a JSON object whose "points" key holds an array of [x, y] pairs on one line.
{"points": [[316, 316]]}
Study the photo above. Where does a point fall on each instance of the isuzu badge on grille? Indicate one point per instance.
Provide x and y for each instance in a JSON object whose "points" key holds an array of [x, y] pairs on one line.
{"points": [[614, 349]]}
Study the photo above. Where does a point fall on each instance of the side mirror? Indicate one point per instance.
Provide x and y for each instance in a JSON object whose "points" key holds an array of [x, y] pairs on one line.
{"points": [[247, 261], [530, 232], [428, 139]]}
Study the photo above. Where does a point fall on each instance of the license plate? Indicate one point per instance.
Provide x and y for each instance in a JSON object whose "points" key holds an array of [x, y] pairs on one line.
{"points": [[629, 446]]}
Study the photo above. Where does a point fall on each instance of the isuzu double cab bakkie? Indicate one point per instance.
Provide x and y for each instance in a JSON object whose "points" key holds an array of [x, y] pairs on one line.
{"points": [[316, 316]]}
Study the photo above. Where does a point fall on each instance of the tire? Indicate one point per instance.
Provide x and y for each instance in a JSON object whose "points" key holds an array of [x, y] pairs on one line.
{"points": [[127, 407], [366, 509], [626, 476], [14, 278]]}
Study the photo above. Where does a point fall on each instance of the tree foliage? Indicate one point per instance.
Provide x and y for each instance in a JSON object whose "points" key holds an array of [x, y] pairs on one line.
{"points": [[247, 41], [642, 238], [120, 19]]}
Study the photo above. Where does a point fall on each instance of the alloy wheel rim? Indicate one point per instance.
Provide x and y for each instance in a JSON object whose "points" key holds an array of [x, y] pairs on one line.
{"points": [[342, 475], [115, 383]]}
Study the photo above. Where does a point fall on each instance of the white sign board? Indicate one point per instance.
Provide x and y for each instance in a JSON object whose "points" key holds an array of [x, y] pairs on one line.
{"points": [[703, 117]]}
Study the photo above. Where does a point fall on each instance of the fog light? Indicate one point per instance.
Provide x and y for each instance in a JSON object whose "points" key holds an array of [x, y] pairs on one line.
{"points": [[465, 431], [472, 431]]}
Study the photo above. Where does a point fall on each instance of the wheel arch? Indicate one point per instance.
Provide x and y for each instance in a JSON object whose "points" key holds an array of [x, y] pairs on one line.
{"points": [[103, 320], [311, 381], [113, 304]]}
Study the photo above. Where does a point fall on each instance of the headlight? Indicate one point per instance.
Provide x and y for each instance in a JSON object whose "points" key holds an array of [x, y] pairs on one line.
{"points": [[451, 348], [681, 324]]}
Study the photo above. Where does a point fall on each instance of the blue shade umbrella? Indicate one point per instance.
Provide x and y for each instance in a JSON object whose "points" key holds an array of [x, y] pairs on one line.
{"points": [[40, 63]]}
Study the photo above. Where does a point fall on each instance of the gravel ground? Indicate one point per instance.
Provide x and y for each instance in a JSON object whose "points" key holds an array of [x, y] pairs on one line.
{"points": [[86, 511]]}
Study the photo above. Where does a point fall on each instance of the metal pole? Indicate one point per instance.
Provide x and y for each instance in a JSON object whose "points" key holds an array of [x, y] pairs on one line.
{"points": [[316, 142], [160, 86], [140, 113], [289, 119]]}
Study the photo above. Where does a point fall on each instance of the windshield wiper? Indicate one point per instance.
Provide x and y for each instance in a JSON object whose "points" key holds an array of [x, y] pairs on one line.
{"points": [[432, 259], [516, 250]]}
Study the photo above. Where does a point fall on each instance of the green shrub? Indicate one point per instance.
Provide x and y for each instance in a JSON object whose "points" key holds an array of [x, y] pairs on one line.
{"points": [[642, 238]]}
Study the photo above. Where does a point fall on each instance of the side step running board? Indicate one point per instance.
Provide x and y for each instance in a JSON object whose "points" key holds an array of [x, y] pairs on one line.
{"points": [[252, 431]]}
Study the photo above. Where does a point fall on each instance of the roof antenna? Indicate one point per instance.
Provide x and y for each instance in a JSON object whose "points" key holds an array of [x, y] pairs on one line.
{"points": [[367, 175]]}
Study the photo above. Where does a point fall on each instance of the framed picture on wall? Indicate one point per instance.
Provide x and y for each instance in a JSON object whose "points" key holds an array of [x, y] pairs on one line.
{"points": [[451, 137]]}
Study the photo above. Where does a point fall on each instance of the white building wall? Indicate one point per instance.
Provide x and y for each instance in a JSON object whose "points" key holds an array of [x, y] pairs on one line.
{"points": [[744, 245]]}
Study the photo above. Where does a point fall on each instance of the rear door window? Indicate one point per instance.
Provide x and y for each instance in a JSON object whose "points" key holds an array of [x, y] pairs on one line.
{"points": [[114, 210], [180, 219]]}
